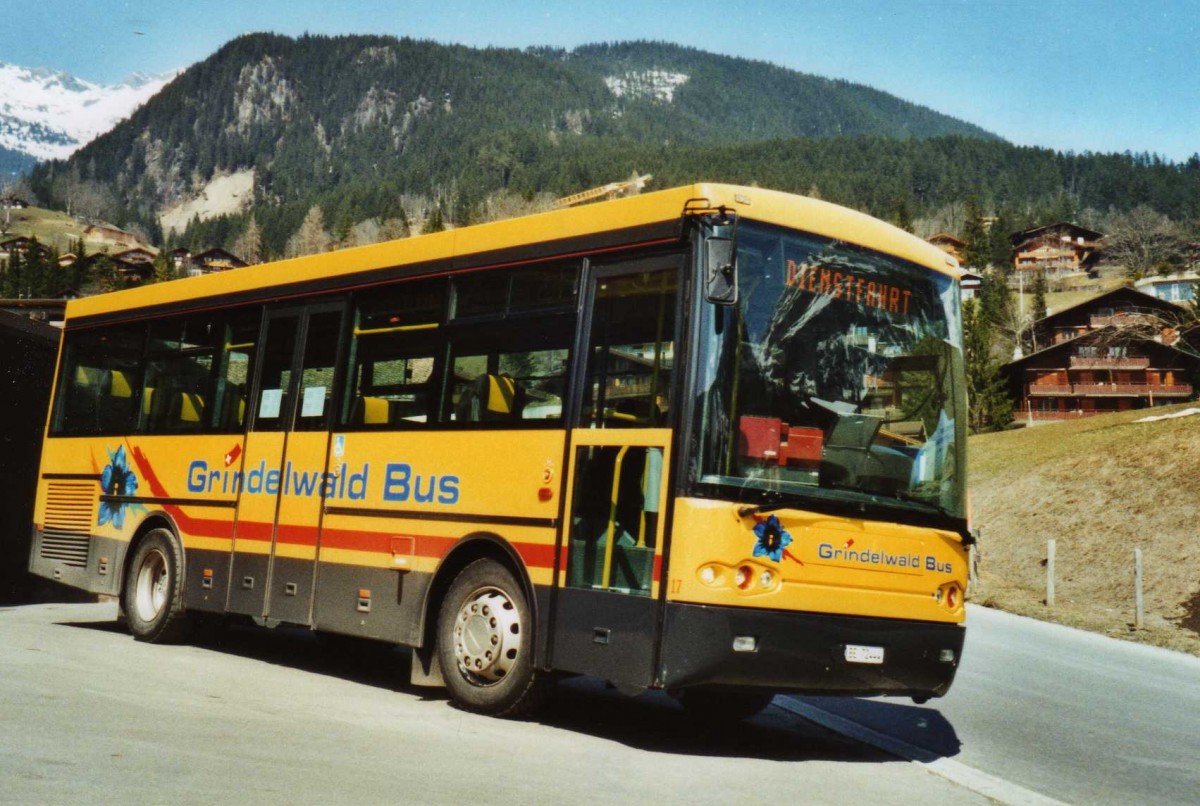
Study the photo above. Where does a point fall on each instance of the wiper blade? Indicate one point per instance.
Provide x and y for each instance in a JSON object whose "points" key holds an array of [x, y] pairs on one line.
{"points": [[747, 511], [773, 500], [909, 497]]}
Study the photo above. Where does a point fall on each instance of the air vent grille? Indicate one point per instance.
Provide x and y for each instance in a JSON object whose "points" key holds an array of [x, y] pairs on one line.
{"points": [[70, 513]]}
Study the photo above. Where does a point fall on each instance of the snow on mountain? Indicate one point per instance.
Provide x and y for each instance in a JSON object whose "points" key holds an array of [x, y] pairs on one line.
{"points": [[50, 114]]}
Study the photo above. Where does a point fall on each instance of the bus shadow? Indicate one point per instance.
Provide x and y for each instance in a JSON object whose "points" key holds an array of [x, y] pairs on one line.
{"points": [[918, 732], [653, 721]]}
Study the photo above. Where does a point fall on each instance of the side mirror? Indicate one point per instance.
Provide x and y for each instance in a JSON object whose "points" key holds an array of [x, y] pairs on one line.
{"points": [[720, 270]]}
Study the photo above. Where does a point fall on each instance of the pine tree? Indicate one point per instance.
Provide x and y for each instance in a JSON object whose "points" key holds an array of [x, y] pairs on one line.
{"points": [[976, 252], [990, 407], [163, 270], [1000, 253], [1039, 297], [436, 222], [14, 276]]}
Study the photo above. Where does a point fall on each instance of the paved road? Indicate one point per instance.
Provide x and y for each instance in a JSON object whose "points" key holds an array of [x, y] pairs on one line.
{"points": [[1074, 716], [89, 715]]}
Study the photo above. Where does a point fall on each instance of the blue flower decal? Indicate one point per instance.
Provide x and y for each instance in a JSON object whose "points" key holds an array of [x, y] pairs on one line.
{"points": [[117, 479], [772, 539]]}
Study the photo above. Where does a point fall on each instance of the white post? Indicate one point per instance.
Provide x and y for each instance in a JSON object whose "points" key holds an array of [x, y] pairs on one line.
{"points": [[1139, 617], [1050, 546]]}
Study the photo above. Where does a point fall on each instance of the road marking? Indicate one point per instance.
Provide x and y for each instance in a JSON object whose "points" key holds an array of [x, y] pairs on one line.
{"points": [[954, 771]]}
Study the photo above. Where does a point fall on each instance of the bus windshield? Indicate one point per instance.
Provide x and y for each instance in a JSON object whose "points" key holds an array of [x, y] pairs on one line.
{"points": [[837, 377]]}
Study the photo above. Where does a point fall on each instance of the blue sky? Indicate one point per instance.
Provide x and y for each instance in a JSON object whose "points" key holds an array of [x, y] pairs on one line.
{"points": [[1103, 76]]}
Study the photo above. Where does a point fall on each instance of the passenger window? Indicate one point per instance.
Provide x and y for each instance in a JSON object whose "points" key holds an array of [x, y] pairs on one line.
{"points": [[100, 381], [632, 351], [393, 380], [318, 371], [177, 395], [511, 372], [524, 290], [237, 369]]}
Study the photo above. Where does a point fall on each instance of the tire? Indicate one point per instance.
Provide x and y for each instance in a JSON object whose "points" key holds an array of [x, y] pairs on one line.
{"points": [[152, 593], [485, 643], [724, 705]]}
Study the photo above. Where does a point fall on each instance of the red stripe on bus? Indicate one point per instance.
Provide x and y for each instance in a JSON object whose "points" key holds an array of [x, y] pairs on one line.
{"points": [[534, 555]]}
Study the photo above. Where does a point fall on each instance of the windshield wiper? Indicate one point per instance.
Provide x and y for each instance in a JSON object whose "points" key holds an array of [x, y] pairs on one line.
{"points": [[772, 500], [910, 498]]}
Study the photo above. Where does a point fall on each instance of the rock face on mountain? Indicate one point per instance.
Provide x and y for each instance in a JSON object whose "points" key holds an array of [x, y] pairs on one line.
{"points": [[309, 114]]}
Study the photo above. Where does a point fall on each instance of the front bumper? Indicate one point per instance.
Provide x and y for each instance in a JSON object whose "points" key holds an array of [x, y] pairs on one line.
{"points": [[805, 653]]}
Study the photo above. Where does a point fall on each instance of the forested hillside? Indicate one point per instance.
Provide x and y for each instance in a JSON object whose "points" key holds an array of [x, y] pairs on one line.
{"points": [[362, 126]]}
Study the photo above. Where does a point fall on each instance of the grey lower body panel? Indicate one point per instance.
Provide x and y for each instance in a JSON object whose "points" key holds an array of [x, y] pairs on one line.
{"points": [[806, 652], [86, 562]]}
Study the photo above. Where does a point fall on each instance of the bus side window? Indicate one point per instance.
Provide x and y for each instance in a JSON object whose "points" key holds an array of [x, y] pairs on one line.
{"points": [[236, 367], [632, 351], [179, 391], [99, 382], [393, 380], [511, 371]]}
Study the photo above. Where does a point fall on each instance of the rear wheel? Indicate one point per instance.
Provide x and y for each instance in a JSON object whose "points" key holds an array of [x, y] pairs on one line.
{"points": [[152, 595], [485, 643]]}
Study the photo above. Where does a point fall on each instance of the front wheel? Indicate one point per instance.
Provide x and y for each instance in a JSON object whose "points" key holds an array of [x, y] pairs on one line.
{"points": [[485, 643], [152, 594]]}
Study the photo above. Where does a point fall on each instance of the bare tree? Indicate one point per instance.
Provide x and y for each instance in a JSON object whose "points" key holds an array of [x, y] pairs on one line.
{"points": [[311, 238], [1175, 328], [248, 245], [1143, 240]]}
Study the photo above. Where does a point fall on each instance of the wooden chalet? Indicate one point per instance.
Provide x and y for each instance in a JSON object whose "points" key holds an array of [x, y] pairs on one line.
{"points": [[1057, 250], [178, 258], [970, 282], [21, 245], [134, 265], [949, 244], [213, 260], [111, 236], [1114, 352]]}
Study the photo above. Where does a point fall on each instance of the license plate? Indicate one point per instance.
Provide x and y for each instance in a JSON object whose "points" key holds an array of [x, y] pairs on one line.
{"points": [[856, 653]]}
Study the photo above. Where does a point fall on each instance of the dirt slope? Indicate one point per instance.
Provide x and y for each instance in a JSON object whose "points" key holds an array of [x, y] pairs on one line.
{"points": [[1100, 487]]}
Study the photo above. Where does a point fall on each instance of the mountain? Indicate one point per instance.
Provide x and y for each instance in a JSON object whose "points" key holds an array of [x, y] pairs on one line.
{"points": [[379, 129], [314, 113], [48, 114]]}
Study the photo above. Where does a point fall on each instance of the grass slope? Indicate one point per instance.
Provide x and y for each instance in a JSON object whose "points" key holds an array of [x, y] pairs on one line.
{"points": [[1100, 487], [54, 229]]}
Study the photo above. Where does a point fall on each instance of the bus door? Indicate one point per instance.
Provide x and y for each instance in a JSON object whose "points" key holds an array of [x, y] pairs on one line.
{"points": [[605, 613], [285, 469]]}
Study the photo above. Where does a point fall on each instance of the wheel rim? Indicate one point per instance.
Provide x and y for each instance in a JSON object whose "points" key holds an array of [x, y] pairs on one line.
{"points": [[487, 636], [151, 589]]}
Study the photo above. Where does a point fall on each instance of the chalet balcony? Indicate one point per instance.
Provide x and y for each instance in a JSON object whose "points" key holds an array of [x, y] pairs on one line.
{"points": [[1131, 390], [1054, 416], [1126, 362], [1053, 389], [1122, 320], [1110, 390]]}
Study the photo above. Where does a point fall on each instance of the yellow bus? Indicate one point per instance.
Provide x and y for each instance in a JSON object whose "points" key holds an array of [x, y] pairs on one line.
{"points": [[708, 440]]}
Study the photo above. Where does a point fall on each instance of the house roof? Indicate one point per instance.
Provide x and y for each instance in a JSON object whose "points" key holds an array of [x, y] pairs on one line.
{"points": [[945, 237], [1092, 334], [133, 253], [1137, 295], [1074, 229]]}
